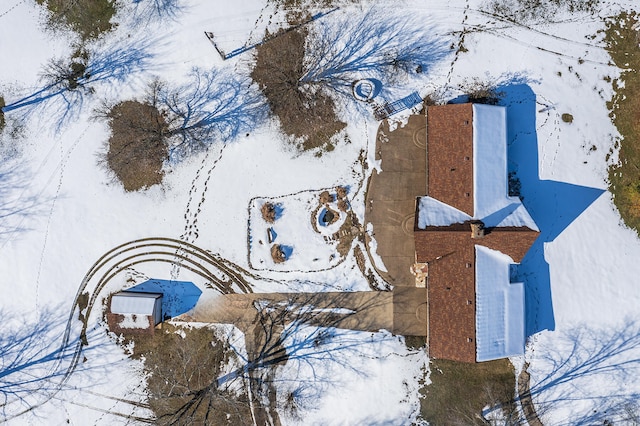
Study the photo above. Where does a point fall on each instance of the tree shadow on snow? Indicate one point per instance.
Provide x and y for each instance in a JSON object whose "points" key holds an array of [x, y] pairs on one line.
{"points": [[553, 205], [18, 203], [581, 357], [34, 365]]}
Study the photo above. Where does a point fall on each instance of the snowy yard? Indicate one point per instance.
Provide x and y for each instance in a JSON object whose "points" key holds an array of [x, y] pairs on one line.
{"points": [[300, 228], [61, 210]]}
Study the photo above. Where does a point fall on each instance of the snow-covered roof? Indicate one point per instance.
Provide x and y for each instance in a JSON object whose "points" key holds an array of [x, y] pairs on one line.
{"points": [[500, 326], [491, 201], [432, 212], [492, 204], [134, 303]]}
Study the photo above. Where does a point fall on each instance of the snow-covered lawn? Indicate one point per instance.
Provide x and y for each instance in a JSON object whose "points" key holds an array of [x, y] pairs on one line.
{"points": [[580, 280], [298, 228]]}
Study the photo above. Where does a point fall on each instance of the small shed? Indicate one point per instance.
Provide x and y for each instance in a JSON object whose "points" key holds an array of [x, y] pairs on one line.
{"points": [[138, 303], [134, 312]]}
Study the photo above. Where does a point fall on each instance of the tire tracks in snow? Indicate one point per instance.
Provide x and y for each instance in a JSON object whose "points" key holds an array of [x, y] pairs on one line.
{"points": [[221, 275]]}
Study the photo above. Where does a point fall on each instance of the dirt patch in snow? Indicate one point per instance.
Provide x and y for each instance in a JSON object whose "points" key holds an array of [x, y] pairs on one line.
{"points": [[459, 391], [89, 18], [621, 37], [183, 364]]}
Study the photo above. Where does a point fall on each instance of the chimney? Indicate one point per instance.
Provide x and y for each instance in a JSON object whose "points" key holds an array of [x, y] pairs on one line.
{"points": [[477, 229]]}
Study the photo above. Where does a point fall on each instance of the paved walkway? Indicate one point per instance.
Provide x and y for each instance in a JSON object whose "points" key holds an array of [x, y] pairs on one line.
{"points": [[365, 311], [402, 311], [391, 196]]}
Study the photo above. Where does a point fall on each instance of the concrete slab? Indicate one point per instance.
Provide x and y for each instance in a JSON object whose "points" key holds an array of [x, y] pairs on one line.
{"points": [[410, 311], [364, 311]]}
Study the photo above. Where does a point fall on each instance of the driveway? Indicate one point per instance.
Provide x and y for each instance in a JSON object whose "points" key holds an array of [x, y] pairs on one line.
{"points": [[391, 197]]}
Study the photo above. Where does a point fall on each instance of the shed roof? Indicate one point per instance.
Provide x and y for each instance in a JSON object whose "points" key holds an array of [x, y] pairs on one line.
{"points": [[128, 302]]}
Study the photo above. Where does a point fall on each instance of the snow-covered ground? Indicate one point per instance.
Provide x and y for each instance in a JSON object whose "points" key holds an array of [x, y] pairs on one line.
{"points": [[580, 278]]}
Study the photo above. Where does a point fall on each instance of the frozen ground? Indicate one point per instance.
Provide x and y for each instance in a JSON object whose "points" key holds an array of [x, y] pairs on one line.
{"points": [[580, 276]]}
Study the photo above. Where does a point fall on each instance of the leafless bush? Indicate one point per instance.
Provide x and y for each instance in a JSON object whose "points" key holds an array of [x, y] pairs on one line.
{"points": [[268, 212], [136, 149], [325, 197], [305, 113], [277, 254], [482, 92]]}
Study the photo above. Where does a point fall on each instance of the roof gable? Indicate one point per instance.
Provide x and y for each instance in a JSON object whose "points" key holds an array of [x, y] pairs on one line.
{"points": [[138, 303]]}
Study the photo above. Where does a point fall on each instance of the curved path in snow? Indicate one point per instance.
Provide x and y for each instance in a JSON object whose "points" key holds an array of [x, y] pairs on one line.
{"points": [[220, 274]]}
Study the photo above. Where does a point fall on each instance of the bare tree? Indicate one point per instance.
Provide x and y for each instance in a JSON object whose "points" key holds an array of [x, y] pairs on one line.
{"points": [[213, 105], [377, 44], [33, 363], [295, 328], [67, 82], [308, 114], [181, 370]]}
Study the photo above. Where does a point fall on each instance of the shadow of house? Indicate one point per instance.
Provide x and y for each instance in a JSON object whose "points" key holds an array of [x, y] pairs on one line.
{"points": [[140, 308], [553, 205], [546, 205]]}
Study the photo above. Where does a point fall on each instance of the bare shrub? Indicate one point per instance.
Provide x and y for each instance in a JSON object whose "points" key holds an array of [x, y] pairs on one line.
{"points": [[341, 191], [277, 254], [481, 92], [268, 211], [136, 150], [326, 197], [343, 205], [306, 113]]}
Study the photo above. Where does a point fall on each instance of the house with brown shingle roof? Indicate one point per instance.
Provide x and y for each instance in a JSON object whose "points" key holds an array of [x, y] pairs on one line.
{"points": [[470, 234]]}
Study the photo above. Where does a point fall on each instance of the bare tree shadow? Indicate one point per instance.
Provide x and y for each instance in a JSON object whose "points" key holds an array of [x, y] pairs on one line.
{"points": [[34, 366], [308, 334], [378, 44], [17, 203], [553, 205], [67, 83], [147, 11], [593, 369], [214, 105]]}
